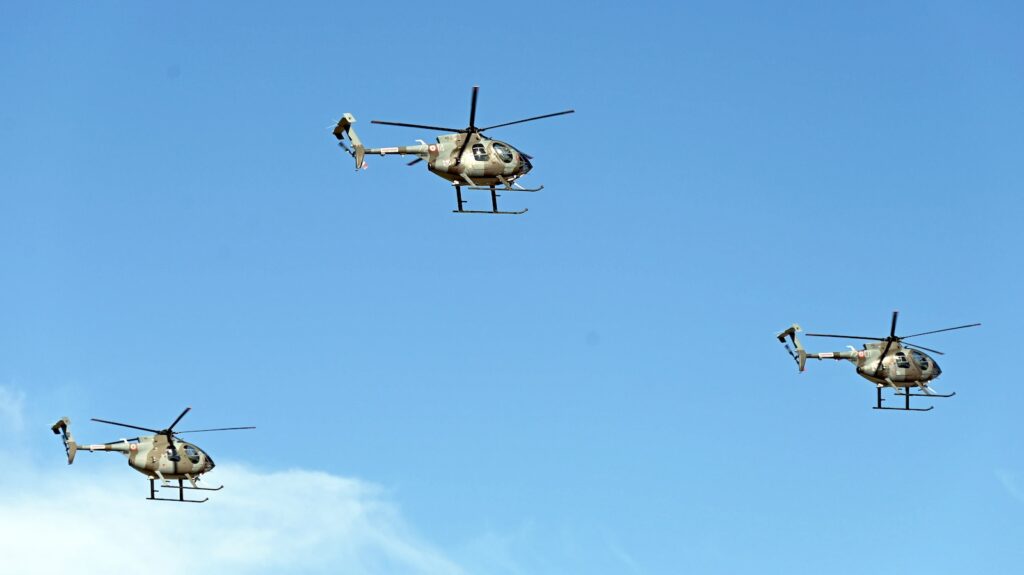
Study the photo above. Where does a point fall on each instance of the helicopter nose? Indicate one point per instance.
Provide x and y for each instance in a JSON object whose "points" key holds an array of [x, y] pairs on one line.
{"points": [[209, 464], [527, 166]]}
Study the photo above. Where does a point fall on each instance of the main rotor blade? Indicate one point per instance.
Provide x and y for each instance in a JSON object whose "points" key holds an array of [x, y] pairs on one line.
{"points": [[845, 336], [171, 427], [126, 425], [472, 109], [923, 347], [529, 119], [892, 331], [417, 126], [881, 358], [216, 429], [121, 441], [939, 330], [462, 150]]}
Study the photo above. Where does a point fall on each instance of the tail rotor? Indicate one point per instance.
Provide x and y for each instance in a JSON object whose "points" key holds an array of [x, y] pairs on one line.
{"points": [[797, 352], [345, 130], [61, 428]]}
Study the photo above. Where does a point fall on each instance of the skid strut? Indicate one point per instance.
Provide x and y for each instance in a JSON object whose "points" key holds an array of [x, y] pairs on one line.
{"points": [[181, 492], [906, 399], [494, 201]]}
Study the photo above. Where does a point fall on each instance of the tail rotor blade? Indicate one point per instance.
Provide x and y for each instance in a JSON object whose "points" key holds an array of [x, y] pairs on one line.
{"points": [[414, 162]]}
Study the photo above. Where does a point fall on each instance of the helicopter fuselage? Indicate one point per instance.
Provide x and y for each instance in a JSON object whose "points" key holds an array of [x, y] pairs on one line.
{"points": [[886, 362], [466, 158], [902, 366], [483, 162], [152, 456]]}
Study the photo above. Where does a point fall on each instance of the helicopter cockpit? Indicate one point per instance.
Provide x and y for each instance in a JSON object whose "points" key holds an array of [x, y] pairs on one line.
{"points": [[192, 453], [925, 363], [503, 152]]}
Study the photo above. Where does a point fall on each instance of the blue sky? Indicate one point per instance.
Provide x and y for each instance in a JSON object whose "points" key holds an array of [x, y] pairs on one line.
{"points": [[592, 387]]}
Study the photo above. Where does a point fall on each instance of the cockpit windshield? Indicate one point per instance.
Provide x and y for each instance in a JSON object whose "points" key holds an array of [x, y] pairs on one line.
{"points": [[919, 359], [503, 152]]}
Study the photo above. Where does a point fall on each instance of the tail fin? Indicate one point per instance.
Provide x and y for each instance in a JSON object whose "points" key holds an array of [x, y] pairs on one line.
{"points": [[343, 129], [799, 355], [61, 427]]}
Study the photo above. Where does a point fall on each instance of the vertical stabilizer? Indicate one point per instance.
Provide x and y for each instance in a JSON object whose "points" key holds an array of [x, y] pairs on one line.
{"points": [[799, 354], [61, 428], [344, 129]]}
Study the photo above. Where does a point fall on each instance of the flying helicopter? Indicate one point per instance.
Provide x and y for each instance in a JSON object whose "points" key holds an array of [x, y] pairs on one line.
{"points": [[465, 157], [157, 456], [888, 362]]}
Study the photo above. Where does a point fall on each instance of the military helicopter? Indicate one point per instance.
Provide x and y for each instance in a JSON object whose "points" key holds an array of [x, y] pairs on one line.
{"points": [[157, 456], [464, 157], [888, 363]]}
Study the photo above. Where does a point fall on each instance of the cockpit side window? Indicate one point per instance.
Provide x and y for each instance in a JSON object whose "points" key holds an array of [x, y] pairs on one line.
{"points": [[479, 153], [192, 454], [901, 360], [503, 152], [920, 359]]}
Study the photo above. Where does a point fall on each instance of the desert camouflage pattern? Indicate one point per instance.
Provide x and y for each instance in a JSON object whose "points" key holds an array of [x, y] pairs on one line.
{"points": [[149, 455], [901, 366], [483, 161], [887, 362], [463, 156]]}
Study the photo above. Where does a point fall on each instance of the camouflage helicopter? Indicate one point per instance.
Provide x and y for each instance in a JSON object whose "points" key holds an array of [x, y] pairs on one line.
{"points": [[157, 456], [888, 363], [466, 157]]}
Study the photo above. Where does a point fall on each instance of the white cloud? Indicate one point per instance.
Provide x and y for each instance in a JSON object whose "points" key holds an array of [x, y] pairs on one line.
{"points": [[11, 407], [262, 522], [93, 518], [1010, 484]]}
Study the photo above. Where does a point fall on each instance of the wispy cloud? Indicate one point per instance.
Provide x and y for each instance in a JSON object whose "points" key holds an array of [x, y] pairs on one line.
{"points": [[93, 519], [619, 552], [1010, 484], [12, 404], [263, 522]]}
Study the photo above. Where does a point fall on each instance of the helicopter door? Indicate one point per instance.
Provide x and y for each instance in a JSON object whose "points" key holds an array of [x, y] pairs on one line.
{"points": [[902, 365]]}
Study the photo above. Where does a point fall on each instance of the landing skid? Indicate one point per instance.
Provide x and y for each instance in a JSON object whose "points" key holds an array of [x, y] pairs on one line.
{"points": [[523, 211], [181, 492], [512, 188], [906, 399], [494, 200]]}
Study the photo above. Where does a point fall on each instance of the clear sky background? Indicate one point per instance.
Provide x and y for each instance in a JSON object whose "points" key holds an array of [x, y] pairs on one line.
{"points": [[593, 387]]}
